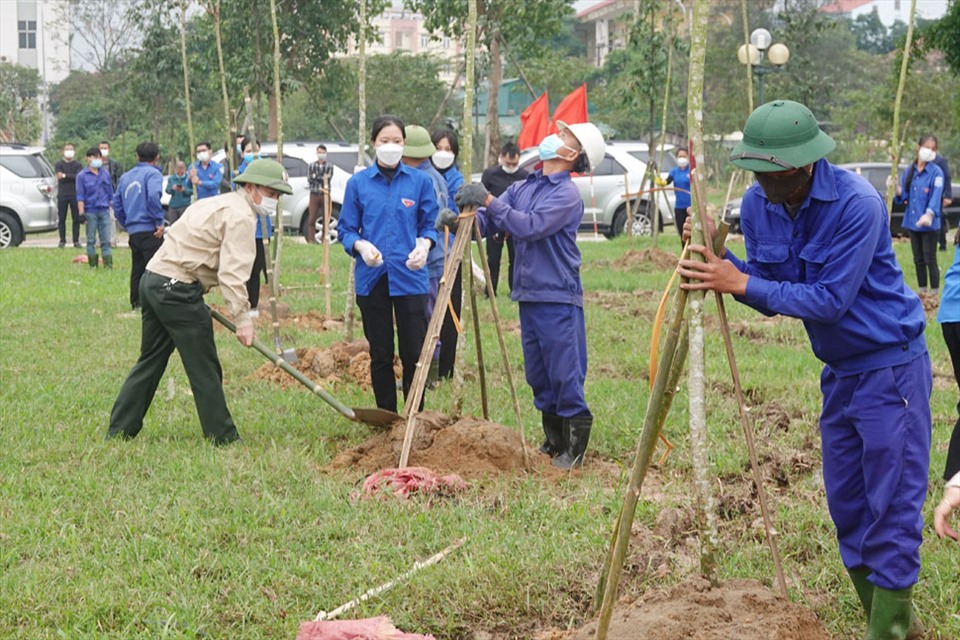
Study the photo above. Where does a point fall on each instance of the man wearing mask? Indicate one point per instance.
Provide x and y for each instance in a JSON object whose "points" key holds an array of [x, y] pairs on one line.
{"points": [[496, 179], [67, 170], [136, 203], [211, 245], [316, 173], [94, 190], [181, 192], [543, 213], [818, 248], [205, 174], [113, 168]]}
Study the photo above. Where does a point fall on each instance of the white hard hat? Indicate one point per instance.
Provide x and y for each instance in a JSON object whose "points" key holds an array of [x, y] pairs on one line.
{"points": [[590, 139]]}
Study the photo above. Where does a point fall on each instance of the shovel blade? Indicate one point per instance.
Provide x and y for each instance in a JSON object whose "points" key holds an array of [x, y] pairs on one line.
{"points": [[290, 356], [379, 419]]}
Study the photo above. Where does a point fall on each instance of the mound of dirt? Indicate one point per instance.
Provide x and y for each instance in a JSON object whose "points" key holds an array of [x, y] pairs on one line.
{"points": [[316, 321], [647, 260], [930, 301], [341, 361], [736, 610]]}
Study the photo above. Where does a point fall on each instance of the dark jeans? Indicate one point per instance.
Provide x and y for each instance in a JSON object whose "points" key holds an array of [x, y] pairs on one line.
{"points": [[494, 253], [173, 214], [378, 310], [924, 246], [143, 245], [951, 335], [259, 266], [62, 205], [679, 219], [448, 331], [174, 317]]}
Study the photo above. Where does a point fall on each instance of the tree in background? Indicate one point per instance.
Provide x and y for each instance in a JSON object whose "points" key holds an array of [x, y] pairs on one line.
{"points": [[19, 108]]}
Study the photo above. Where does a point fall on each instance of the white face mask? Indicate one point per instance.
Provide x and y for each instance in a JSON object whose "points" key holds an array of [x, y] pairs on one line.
{"points": [[68, 154], [926, 154], [443, 159], [104, 153], [203, 156], [682, 162], [509, 169], [389, 154], [267, 205], [321, 157]]}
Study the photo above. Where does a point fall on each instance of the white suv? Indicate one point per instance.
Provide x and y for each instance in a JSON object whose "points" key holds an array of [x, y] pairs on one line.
{"points": [[28, 193], [603, 193]]}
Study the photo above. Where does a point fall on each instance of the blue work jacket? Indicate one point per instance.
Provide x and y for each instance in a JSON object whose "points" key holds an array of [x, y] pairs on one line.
{"points": [[179, 199], [452, 180], [94, 190], [926, 194], [542, 213], [136, 202], [834, 268], [210, 179], [950, 301], [681, 180], [391, 217]]}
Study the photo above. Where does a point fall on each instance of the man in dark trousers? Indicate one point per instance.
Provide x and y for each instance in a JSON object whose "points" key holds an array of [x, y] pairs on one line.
{"points": [[67, 170], [136, 204], [316, 173], [496, 180], [818, 248], [941, 162], [211, 245], [114, 169]]}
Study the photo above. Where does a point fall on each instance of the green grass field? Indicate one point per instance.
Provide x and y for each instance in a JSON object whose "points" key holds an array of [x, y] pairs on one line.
{"points": [[165, 536]]}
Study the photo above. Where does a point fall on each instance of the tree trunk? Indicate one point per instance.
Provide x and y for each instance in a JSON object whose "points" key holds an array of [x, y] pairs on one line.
{"points": [[186, 73], [748, 67], [895, 142], [214, 8], [493, 120]]}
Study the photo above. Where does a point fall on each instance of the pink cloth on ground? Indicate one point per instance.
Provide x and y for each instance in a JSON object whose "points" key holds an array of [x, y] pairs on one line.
{"points": [[402, 482], [379, 628]]}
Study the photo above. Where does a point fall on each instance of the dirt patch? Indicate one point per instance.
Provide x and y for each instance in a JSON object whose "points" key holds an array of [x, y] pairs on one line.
{"points": [[340, 362], [471, 447], [930, 302], [738, 609], [652, 259], [316, 321]]}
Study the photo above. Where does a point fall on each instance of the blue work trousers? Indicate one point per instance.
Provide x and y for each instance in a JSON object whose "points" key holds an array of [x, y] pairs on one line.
{"points": [[555, 356], [876, 431], [98, 222]]}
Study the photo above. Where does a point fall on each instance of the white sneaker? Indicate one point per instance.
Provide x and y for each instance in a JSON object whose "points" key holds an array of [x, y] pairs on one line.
{"points": [[254, 313]]}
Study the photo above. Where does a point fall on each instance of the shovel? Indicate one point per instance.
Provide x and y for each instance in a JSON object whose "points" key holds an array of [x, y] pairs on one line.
{"points": [[289, 355], [377, 418]]}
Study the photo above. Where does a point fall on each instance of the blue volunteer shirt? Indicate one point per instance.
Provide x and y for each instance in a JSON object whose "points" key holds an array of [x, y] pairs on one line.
{"points": [[681, 180], [94, 190], [926, 194], [243, 167], [542, 213], [210, 178], [950, 301], [833, 267], [136, 203], [391, 217]]}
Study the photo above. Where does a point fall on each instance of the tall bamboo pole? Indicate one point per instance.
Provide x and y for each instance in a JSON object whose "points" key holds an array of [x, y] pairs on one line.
{"points": [[274, 282], [186, 74], [350, 310], [214, 9], [663, 123], [895, 142], [748, 67]]}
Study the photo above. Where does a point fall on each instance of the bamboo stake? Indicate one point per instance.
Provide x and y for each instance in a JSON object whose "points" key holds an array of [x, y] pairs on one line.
{"points": [[481, 369], [470, 75], [186, 76], [895, 137], [747, 67], [275, 280], [326, 246], [350, 310], [213, 8], [663, 122], [468, 308]]}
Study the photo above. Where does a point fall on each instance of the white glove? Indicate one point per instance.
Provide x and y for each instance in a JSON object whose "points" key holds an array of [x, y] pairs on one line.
{"points": [[370, 254], [925, 220], [417, 258]]}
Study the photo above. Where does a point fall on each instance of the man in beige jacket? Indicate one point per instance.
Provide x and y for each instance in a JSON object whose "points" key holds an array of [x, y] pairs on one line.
{"points": [[212, 244]]}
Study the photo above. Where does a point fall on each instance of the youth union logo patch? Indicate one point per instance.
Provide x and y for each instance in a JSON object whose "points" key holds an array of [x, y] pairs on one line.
{"points": [[407, 202]]}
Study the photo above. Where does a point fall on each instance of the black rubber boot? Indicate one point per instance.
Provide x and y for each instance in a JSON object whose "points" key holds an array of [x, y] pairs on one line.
{"points": [[553, 430], [576, 435], [108, 262], [92, 260]]}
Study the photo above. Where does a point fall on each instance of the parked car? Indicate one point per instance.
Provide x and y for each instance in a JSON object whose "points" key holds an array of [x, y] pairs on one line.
{"points": [[876, 173], [603, 193], [297, 157], [28, 193]]}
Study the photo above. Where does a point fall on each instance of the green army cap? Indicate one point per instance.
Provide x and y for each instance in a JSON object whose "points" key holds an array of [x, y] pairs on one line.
{"points": [[417, 144], [266, 173], [781, 135]]}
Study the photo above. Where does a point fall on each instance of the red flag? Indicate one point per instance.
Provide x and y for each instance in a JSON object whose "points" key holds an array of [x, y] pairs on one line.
{"points": [[533, 122], [572, 109]]}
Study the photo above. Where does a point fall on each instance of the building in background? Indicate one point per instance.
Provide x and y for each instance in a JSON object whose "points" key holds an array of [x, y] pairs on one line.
{"points": [[29, 31], [889, 11], [603, 25]]}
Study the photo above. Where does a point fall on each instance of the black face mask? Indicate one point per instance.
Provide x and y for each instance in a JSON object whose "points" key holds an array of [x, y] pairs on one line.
{"points": [[780, 189]]}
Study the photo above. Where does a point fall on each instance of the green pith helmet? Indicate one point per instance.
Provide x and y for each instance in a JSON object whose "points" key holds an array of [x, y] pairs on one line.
{"points": [[781, 135], [266, 173], [418, 144]]}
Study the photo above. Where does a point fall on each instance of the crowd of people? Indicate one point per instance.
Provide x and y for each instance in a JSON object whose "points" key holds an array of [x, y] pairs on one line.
{"points": [[817, 244]]}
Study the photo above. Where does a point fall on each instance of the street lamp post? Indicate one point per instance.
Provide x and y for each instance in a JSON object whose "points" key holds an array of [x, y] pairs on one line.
{"points": [[753, 54]]}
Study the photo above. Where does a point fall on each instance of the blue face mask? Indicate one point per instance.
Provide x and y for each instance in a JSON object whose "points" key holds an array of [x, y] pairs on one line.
{"points": [[248, 157], [239, 148], [96, 164], [549, 146]]}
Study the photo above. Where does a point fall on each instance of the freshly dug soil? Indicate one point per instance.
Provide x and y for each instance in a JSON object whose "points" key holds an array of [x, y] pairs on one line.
{"points": [[647, 260], [692, 610], [470, 447], [341, 361]]}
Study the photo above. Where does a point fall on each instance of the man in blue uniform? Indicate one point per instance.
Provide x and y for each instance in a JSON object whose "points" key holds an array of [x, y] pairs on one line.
{"points": [[136, 204], [94, 189], [542, 214], [206, 174], [818, 248]]}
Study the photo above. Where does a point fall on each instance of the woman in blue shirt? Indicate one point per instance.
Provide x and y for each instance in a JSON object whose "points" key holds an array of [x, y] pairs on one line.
{"points": [[921, 187], [387, 220], [949, 319], [680, 177]]}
